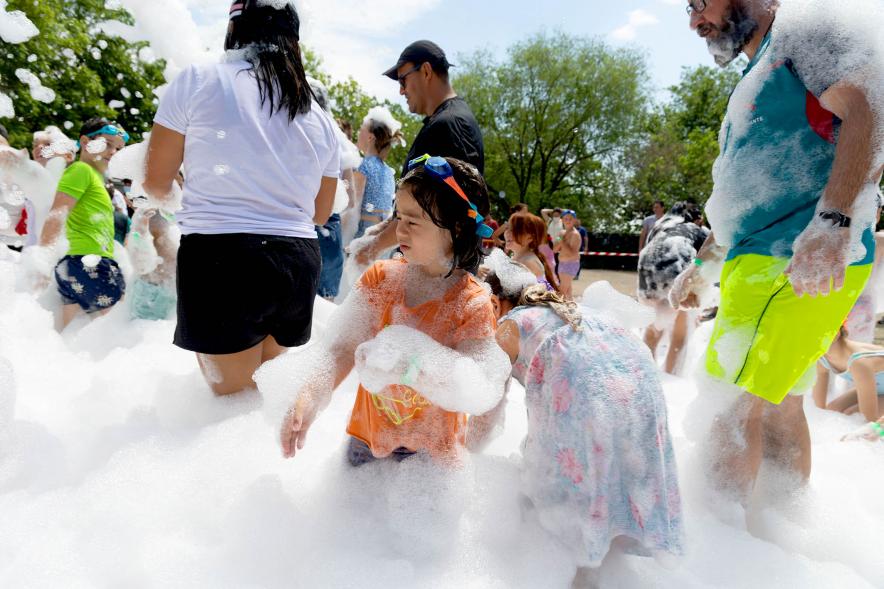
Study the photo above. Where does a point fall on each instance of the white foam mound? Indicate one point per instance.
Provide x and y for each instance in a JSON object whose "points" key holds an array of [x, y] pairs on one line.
{"points": [[118, 455], [15, 26], [382, 115], [131, 163], [603, 299]]}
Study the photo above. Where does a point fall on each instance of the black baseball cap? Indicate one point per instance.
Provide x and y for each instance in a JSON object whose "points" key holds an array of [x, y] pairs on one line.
{"points": [[418, 53]]}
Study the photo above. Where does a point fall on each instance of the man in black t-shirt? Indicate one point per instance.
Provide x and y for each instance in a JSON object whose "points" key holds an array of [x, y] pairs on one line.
{"points": [[450, 128]]}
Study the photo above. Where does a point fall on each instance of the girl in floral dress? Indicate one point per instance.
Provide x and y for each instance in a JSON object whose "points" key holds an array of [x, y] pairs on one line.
{"points": [[598, 458]]}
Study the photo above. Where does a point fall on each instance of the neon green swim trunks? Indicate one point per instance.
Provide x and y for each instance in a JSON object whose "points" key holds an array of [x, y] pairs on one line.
{"points": [[766, 340]]}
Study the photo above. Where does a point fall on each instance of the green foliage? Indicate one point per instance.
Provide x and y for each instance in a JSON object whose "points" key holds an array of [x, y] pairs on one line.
{"points": [[351, 103], [673, 160], [84, 84], [556, 115]]}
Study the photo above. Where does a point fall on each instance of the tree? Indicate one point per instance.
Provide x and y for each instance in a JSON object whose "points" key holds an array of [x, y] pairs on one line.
{"points": [[86, 69], [673, 160], [555, 115]]}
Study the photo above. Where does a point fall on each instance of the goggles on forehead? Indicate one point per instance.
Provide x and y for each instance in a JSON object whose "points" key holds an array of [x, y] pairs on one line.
{"points": [[439, 169], [110, 130], [567, 212]]}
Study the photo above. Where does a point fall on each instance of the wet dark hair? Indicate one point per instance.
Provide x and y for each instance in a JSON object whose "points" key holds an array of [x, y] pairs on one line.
{"points": [[96, 123], [519, 207], [383, 136], [449, 211], [660, 202], [688, 210], [538, 296], [277, 64]]}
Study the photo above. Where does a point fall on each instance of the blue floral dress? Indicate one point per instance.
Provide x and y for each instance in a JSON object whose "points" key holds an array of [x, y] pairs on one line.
{"points": [[598, 458]]}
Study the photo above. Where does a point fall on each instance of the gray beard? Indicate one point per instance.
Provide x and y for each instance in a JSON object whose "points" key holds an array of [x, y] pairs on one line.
{"points": [[737, 32]]}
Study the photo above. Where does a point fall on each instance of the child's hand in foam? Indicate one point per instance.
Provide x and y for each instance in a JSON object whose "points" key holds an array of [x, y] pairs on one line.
{"points": [[297, 422], [385, 360]]}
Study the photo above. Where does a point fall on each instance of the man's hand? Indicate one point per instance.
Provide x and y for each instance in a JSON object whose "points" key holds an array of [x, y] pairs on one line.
{"points": [[820, 259]]}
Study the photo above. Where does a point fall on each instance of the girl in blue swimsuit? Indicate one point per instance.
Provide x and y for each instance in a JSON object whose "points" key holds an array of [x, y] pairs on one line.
{"points": [[861, 365]]}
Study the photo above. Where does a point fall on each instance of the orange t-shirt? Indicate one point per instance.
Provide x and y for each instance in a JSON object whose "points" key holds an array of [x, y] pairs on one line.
{"points": [[398, 416]]}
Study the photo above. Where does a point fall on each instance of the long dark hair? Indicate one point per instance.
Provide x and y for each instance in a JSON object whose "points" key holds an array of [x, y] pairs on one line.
{"points": [[271, 36], [448, 211]]}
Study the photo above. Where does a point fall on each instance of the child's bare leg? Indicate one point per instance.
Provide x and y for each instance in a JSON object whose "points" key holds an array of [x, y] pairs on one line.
{"points": [[737, 442], [843, 402], [565, 283], [68, 314], [586, 578], [652, 338], [787, 437], [676, 341]]}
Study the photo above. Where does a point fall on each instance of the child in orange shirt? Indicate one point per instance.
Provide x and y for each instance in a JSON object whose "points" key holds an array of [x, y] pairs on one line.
{"points": [[419, 330]]}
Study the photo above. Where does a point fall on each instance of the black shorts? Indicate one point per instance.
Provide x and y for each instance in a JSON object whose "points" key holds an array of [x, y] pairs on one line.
{"points": [[236, 289]]}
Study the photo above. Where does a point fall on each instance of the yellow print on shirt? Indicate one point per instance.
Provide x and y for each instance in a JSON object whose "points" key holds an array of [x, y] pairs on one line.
{"points": [[398, 411]]}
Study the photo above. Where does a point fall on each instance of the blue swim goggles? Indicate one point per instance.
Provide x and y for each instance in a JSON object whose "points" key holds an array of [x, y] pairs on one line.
{"points": [[439, 168], [108, 130]]}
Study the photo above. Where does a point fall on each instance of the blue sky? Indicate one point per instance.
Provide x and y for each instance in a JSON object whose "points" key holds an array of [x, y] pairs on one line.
{"points": [[361, 39], [462, 26]]}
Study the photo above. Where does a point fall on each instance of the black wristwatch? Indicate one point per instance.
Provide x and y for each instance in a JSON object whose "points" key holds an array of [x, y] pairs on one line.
{"points": [[835, 218]]}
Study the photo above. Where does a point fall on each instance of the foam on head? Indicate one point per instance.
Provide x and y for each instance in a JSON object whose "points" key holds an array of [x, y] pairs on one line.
{"points": [[513, 277], [383, 116]]}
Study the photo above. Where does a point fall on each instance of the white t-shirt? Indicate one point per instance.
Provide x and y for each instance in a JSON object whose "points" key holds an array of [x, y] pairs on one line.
{"points": [[246, 171]]}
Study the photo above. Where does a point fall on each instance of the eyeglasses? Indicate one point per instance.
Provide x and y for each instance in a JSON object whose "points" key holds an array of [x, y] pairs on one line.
{"points": [[439, 168], [406, 74], [697, 6]]}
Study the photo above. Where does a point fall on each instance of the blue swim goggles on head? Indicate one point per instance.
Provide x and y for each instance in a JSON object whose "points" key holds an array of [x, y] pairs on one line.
{"points": [[108, 130], [439, 168]]}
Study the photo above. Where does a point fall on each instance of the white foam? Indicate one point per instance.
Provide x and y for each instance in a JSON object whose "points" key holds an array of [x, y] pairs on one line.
{"points": [[7, 111], [38, 90], [600, 298], [15, 26], [97, 145]]}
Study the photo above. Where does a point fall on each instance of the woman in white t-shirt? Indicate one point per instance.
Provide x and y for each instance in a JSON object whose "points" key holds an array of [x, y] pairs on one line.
{"points": [[261, 160]]}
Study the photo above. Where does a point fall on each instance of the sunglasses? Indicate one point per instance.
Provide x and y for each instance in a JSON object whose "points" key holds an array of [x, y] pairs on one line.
{"points": [[439, 169], [406, 74]]}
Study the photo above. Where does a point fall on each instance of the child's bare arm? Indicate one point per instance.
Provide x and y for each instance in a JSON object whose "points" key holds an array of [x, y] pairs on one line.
{"points": [[866, 389], [484, 428], [468, 379], [821, 386], [315, 372]]}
